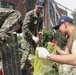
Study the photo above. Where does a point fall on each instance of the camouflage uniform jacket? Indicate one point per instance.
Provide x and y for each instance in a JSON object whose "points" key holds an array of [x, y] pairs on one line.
{"points": [[9, 19], [68, 69], [32, 24]]}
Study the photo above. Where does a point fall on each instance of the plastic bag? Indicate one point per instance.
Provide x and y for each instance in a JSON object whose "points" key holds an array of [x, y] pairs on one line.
{"points": [[44, 66]]}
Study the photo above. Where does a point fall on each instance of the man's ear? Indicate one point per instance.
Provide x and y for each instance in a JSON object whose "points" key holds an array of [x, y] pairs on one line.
{"points": [[65, 23]]}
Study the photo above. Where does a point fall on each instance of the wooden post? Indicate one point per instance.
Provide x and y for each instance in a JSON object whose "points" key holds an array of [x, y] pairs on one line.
{"points": [[46, 15]]}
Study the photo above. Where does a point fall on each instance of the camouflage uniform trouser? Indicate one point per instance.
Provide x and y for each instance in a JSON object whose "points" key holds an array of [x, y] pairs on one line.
{"points": [[67, 69], [28, 47]]}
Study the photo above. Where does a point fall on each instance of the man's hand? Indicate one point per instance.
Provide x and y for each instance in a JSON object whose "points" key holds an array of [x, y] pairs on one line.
{"points": [[40, 34], [42, 52], [36, 39]]}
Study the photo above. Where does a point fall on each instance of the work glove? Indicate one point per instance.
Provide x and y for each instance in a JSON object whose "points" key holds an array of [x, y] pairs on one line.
{"points": [[36, 39], [40, 34], [43, 53]]}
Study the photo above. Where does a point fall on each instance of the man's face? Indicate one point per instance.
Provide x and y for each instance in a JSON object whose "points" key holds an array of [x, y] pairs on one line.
{"points": [[18, 27], [38, 9], [63, 29]]}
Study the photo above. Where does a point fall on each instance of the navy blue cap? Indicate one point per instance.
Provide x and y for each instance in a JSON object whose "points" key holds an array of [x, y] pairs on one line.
{"points": [[39, 4], [62, 20]]}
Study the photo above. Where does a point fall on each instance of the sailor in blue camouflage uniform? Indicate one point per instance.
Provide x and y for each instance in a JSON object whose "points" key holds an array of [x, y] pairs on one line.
{"points": [[32, 25]]}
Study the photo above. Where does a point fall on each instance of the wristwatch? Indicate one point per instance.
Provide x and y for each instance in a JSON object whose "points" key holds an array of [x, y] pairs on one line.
{"points": [[48, 56]]}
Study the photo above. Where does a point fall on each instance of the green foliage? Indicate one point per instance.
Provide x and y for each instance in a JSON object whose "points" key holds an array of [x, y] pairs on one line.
{"points": [[47, 36], [63, 41]]}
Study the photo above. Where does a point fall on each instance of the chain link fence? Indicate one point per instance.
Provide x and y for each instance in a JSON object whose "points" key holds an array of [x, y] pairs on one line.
{"points": [[30, 4]]}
